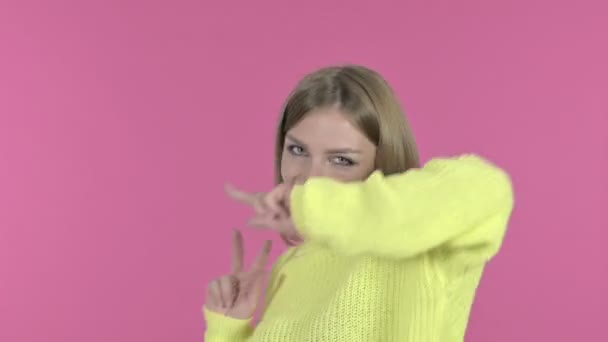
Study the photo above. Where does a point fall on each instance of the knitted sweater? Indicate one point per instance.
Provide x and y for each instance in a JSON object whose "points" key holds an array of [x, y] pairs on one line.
{"points": [[390, 258]]}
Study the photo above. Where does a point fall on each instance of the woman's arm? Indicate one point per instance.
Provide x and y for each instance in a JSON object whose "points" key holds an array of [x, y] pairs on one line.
{"points": [[456, 203]]}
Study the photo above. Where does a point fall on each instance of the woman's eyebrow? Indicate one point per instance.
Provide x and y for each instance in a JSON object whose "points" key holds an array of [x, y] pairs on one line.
{"points": [[342, 150], [329, 151], [294, 139]]}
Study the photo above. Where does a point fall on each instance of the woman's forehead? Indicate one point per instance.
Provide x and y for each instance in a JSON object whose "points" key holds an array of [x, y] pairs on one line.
{"points": [[329, 129]]}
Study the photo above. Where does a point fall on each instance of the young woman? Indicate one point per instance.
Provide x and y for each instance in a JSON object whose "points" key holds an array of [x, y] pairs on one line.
{"points": [[384, 249]]}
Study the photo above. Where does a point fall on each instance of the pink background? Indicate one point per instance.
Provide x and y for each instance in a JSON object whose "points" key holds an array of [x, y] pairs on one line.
{"points": [[120, 121]]}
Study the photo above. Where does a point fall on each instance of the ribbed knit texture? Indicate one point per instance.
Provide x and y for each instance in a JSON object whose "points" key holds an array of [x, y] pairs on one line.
{"points": [[391, 258]]}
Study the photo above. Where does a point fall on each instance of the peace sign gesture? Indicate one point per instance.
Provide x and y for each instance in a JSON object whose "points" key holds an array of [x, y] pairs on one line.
{"points": [[271, 210], [237, 294]]}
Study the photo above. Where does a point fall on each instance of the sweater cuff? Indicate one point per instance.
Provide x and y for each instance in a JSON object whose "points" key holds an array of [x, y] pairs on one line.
{"points": [[297, 210], [226, 328], [308, 207]]}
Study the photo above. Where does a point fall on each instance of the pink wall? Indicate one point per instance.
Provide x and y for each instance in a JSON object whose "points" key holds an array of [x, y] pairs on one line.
{"points": [[120, 120]]}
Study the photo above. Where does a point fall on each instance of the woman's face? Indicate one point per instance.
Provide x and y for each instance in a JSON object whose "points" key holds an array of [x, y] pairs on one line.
{"points": [[326, 144]]}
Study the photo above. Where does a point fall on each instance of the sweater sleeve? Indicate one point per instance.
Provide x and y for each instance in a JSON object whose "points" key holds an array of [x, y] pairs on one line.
{"points": [[221, 328], [461, 203]]}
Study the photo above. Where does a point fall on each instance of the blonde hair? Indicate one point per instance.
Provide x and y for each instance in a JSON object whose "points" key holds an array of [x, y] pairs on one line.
{"points": [[370, 104]]}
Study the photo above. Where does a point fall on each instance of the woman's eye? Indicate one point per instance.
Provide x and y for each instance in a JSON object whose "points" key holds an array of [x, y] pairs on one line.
{"points": [[343, 161], [296, 150]]}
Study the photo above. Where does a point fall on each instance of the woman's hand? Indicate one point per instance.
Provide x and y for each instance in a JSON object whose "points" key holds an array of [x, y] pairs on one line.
{"points": [[272, 210], [237, 294]]}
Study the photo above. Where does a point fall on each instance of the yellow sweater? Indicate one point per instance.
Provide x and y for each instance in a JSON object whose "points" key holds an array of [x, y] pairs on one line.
{"points": [[391, 258]]}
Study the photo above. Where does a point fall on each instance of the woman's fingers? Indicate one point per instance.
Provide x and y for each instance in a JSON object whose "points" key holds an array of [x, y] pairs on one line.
{"points": [[278, 199], [273, 201], [237, 252], [289, 189], [257, 284], [266, 223], [281, 225], [241, 196], [259, 204], [213, 294], [255, 200], [228, 291], [259, 264], [291, 238], [261, 221]]}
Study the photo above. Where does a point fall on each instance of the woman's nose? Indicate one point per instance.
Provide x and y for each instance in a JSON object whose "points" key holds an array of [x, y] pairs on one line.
{"points": [[313, 169]]}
